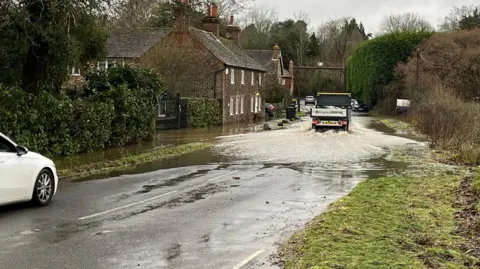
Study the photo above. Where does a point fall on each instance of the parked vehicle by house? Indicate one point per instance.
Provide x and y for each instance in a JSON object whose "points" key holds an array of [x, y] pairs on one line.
{"points": [[25, 176], [310, 100], [269, 110], [402, 106], [332, 111]]}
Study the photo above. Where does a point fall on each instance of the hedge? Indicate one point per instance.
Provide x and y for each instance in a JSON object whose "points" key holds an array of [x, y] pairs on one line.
{"points": [[117, 108], [371, 66], [203, 112]]}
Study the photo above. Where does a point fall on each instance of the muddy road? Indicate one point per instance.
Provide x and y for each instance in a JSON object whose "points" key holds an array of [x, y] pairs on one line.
{"points": [[229, 208]]}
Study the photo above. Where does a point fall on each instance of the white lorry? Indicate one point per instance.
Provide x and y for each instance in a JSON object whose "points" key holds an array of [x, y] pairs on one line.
{"points": [[332, 111]]}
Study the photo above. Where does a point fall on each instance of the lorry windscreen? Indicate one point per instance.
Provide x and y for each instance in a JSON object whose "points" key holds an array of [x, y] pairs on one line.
{"points": [[334, 100]]}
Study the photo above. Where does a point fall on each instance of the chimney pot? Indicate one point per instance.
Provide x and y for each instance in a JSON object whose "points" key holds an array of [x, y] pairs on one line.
{"points": [[231, 20], [214, 10]]}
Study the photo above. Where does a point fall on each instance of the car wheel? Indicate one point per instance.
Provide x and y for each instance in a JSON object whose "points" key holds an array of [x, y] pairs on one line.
{"points": [[43, 189]]}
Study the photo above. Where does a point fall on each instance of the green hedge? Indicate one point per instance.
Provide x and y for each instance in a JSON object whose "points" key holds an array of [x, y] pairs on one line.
{"points": [[116, 108], [202, 112], [371, 66]]}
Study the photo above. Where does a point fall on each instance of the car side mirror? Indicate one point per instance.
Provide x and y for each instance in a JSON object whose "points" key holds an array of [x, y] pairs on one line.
{"points": [[21, 150]]}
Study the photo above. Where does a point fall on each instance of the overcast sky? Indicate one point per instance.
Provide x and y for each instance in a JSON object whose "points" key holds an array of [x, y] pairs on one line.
{"points": [[370, 12]]}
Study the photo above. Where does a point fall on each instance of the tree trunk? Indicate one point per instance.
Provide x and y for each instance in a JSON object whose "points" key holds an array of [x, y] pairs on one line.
{"points": [[35, 66]]}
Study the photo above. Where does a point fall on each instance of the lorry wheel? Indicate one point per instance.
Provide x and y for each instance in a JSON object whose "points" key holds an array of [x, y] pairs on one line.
{"points": [[345, 128]]}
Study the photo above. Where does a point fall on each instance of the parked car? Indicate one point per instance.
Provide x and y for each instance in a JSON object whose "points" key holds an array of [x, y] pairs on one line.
{"points": [[360, 108], [310, 100], [269, 110], [25, 176]]}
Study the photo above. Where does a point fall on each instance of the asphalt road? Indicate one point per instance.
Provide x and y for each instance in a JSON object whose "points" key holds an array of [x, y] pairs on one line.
{"points": [[231, 214]]}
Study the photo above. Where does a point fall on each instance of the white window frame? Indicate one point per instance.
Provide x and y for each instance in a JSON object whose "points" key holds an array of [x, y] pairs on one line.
{"points": [[237, 104], [283, 81], [243, 77], [75, 72], [226, 71], [259, 103], [256, 105], [242, 101], [232, 76], [251, 104], [231, 106], [260, 79], [252, 78]]}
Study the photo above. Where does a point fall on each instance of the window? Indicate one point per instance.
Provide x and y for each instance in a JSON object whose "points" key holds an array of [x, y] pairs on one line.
{"points": [[259, 79], [162, 109], [74, 71], [243, 77], [6, 146], [252, 78], [283, 81], [255, 109], [102, 65], [231, 105], [237, 103], [259, 103], [241, 104], [251, 103], [232, 76], [226, 71]]}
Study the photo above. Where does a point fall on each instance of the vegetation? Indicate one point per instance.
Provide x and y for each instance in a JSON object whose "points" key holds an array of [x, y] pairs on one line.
{"points": [[203, 112], [116, 108], [371, 66], [384, 223], [126, 163], [40, 40], [442, 82]]}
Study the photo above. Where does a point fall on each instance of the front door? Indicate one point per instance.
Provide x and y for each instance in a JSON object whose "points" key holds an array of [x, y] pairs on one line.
{"points": [[14, 174]]}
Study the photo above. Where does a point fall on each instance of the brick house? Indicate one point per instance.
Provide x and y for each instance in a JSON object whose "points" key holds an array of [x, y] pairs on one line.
{"points": [[196, 63], [272, 61]]}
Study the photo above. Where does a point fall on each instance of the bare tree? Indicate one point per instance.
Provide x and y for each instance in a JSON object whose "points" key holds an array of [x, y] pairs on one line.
{"points": [[257, 23], [456, 14], [405, 22], [134, 13]]}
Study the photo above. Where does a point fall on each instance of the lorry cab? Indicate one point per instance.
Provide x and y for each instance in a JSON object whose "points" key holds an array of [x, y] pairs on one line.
{"points": [[332, 111]]}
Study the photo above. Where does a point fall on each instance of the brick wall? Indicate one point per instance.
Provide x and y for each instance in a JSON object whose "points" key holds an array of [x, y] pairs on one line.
{"points": [[236, 93]]}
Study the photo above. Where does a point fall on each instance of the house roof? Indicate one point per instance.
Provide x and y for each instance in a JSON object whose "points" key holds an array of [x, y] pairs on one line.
{"points": [[133, 43], [227, 51], [264, 57]]}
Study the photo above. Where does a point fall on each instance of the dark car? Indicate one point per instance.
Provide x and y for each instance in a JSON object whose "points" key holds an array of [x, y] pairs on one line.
{"points": [[269, 110], [309, 100], [360, 108]]}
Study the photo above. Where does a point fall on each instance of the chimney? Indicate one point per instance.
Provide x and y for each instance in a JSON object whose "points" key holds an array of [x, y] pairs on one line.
{"points": [[276, 52], [292, 80], [180, 13], [211, 23], [233, 31]]}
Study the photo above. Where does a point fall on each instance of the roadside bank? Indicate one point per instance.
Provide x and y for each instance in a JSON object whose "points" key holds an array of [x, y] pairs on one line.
{"points": [[126, 163], [422, 217]]}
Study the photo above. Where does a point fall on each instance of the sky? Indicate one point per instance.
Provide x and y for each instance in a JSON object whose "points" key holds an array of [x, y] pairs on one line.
{"points": [[369, 12]]}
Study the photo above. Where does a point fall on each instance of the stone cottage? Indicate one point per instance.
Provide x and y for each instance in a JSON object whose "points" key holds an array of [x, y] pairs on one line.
{"points": [[273, 63]]}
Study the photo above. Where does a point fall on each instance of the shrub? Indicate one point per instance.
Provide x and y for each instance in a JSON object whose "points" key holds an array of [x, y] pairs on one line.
{"points": [[117, 108], [371, 66], [203, 112]]}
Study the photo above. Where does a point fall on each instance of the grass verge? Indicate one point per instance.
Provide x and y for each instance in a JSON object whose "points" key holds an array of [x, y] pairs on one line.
{"points": [[105, 167], [389, 222], [301, 114]]}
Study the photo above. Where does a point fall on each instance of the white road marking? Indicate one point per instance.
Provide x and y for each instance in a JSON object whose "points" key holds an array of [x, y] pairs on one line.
{"points": [[248, 259], [215, 178], [126, 206]]}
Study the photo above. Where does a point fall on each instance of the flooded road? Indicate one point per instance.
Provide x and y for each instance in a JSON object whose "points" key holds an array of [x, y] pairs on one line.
{"points": [[228, 207]]}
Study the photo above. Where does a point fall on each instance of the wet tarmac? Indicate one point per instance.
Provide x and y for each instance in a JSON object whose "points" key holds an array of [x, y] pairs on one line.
{"points": [[223, 208]]}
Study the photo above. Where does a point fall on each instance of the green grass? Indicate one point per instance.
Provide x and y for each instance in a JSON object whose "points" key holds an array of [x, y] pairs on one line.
{"points": [[476, 189], [388, 222], [301, 114], [127, 162]]}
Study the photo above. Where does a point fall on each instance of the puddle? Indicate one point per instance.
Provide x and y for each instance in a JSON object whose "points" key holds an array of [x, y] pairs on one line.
{"points": [[381, 127], [172, 182]]}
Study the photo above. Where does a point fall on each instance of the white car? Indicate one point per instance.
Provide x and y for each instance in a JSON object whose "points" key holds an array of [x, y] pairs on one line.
{"points": [[25, 176]]}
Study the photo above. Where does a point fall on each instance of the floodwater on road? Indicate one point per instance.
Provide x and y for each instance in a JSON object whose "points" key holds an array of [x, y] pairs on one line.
{"points": [[228, 207]]}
